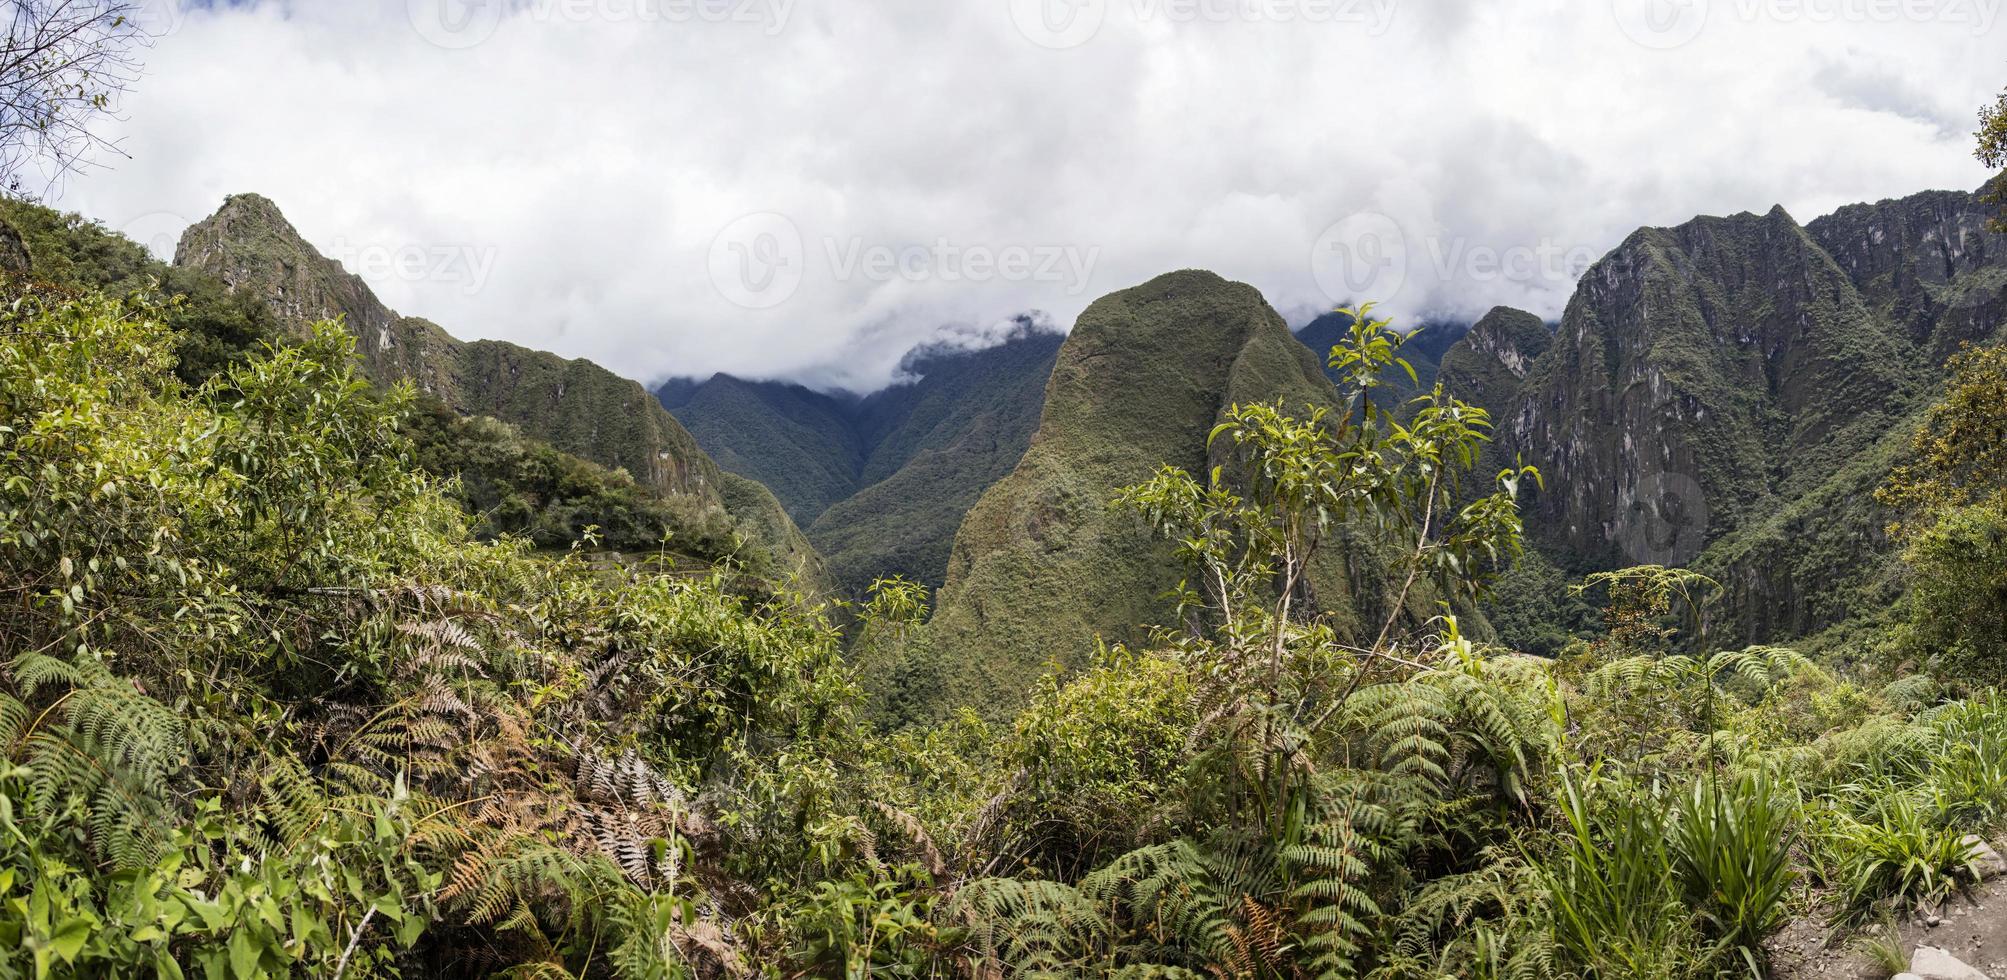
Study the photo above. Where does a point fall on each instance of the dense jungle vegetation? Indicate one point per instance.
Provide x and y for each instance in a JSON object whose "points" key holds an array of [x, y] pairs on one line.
{"points": [[273, 706], [301, 676]]}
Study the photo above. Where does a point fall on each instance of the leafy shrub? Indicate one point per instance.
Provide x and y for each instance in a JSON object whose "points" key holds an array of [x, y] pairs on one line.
{"points": [[1898, 855], [1096, 755], [867, 926]]}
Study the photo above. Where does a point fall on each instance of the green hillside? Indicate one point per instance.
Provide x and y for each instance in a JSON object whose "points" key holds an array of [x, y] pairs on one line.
{"points": [[880, 482], [1043, 564], [937, 442], [801, 444], [574, 405]]}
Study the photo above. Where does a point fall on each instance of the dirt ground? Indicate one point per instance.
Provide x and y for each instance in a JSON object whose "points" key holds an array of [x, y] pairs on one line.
{"points": [[1972, 927]]}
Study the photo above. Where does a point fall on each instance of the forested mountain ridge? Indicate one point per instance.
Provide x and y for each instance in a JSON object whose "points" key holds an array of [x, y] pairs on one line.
{"points": [[572, 404], [881, 482], [798, 442], [1045, 563], [1728, 391]]}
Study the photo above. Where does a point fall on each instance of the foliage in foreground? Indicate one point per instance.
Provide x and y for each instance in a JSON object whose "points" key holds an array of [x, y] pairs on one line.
{"points": [[1992, 150], [269, 706]]}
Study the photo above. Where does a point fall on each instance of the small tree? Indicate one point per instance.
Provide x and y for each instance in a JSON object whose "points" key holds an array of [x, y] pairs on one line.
{"points": [[1250, 534], [1293, 751], [1992, 150], [64, 65], [1950, 496]]}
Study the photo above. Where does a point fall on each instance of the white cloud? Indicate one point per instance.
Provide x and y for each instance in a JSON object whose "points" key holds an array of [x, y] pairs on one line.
{"points": [[563, 182]]}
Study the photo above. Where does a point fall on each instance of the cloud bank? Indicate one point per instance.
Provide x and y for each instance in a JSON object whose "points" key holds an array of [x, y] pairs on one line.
{"points": [[808, 188]]}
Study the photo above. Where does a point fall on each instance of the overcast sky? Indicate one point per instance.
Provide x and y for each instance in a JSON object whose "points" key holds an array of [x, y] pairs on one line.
{"points": [[807, 188]]}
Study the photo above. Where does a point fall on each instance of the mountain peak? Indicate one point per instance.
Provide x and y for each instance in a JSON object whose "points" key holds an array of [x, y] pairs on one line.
{"points": [[242, 217], [573, 404], [252, 202], [1042, 564]]}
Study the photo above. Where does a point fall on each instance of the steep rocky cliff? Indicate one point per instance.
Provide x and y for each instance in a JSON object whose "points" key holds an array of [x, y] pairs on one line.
{"points": [[1729, 392], [1926, 263], [1487, 366], [1700, 372], [572, 404]]}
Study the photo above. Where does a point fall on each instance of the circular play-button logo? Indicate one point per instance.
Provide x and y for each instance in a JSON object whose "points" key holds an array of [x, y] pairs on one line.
{"points": [[1660, 24], [1058, 23], [455, 24], [756, 261], [1361, 258]]}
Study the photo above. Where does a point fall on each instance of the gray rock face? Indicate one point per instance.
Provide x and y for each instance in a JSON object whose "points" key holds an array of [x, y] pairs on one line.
{"points": [[1985, 859], [1728, 393], [1927, 263], [1931, 963], [1690, 362], [1486, 367]]}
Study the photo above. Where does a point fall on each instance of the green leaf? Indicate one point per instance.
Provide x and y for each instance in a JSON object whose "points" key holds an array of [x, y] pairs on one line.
{"points": [[71, 936], [410, 929], [243, 954], [166, 968], [212, 914]]}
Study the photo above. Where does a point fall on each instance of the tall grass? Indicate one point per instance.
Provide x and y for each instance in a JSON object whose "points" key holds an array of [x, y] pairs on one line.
{"points": [[1903, 854], [1655, 884], [1616, 904], [1969, 772], [1730, 846]]}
